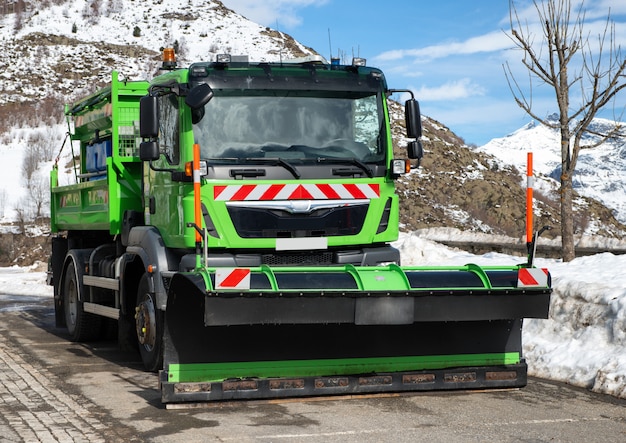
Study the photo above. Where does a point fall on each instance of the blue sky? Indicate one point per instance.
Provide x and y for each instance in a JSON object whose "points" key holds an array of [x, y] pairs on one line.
{"points": [[450, 53]]}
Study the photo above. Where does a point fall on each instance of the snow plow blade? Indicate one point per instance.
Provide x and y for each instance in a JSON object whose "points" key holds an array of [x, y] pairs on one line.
{"points": [[302, 331]]}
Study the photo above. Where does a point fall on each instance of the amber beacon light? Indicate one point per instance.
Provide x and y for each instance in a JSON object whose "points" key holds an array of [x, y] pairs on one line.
{"points": [[169, 58]]}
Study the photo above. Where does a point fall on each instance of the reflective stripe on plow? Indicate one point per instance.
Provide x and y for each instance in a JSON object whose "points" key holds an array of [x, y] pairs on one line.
{"points": [[232, 278], [532, 277]]}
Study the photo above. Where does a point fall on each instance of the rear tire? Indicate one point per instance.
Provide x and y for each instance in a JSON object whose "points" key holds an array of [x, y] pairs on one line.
{"points": [[149, 325], [82, 326]]}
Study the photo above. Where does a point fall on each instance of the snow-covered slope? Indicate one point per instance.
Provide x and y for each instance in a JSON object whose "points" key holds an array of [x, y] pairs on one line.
{"points": [[600, 172], [57, 47]]}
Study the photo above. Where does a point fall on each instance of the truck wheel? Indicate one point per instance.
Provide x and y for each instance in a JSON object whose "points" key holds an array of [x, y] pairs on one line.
{"points": [[149, 324], [81, 325]]}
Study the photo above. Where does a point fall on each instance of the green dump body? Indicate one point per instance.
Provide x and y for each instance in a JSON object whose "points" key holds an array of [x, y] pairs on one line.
{"points": [[108, 181]]}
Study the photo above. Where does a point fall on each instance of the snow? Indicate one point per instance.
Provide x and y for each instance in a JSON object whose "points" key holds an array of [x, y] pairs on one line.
{"points": [[583, 343]]}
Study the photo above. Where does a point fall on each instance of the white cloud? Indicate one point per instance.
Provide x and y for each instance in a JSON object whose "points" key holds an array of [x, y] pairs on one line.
{"points": [[595, 18], [453, 90], [490, 42], [277, 13], [497, 40], [403, 70]]}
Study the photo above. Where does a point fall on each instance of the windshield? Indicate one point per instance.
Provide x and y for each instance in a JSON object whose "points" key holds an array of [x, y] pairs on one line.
{"points": [[292, 125]]}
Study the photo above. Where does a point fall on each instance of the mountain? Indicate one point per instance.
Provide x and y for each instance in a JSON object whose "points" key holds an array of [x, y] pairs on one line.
{"points": [[600, 172], [68, 47], [57, 50], [483, 189]]}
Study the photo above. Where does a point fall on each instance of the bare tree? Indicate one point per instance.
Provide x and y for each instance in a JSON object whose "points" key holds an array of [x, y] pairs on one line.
{"points": [[19, 15], [22, 217], [38, 193], [30, 164], [3, 201], [566, 59]]}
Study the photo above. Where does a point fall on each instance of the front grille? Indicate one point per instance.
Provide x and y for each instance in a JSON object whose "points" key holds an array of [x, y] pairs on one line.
{"points": [[267, 223]]}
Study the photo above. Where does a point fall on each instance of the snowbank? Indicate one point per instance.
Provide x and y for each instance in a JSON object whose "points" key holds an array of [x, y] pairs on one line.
{"points": [[584, 340]]}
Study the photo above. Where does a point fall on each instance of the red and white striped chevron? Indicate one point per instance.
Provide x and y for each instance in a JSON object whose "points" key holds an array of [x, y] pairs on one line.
{"points": [[232, 278], [307, 191], [532, 277]]}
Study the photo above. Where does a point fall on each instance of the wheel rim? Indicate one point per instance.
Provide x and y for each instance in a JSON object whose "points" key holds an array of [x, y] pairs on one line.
{"points": [[145, 321], [72, 303]]}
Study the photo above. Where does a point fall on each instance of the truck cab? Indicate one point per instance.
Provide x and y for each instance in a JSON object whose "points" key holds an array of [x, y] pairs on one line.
{"points": [[297, 162]]}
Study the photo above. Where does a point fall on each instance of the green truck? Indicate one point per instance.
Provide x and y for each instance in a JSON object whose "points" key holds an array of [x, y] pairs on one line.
{"points": [[234, 219]]}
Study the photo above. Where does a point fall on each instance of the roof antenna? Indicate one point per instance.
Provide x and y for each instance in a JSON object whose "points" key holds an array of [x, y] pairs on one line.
{"points": [[330, 46], [280, 52], [333, 61]]}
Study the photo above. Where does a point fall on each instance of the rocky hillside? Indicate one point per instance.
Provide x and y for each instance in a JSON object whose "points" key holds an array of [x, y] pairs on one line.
{"points": [[54, 51], [65, 48]]}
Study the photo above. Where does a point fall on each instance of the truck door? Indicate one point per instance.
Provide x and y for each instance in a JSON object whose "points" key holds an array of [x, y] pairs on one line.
{"points": [[163, 197]]}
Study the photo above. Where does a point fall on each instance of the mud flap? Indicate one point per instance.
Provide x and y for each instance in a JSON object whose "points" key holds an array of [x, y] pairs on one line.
{"points": [[184, 318]]}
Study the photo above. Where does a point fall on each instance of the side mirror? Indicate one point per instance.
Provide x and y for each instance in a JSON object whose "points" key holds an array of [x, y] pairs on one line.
{"points": [[148, 117], [413, 118], [415, 150], [149, 151], [199, 96]]}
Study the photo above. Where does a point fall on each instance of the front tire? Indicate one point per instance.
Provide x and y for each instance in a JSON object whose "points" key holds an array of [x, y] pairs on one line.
{"points": [[149, 326], [82, 326]]}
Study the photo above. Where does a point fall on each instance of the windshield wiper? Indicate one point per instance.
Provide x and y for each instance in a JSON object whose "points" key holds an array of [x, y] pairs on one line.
{"points": [[350, 161], [275, 161], [271, 160]]}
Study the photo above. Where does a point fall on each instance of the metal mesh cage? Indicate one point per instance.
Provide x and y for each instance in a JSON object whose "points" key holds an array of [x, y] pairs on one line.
{"points": [[128, 131]]}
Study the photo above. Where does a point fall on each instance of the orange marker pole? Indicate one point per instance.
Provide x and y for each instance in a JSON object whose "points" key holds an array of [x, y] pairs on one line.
{"points": [[529, 206], [529, 198], [196, 191]]}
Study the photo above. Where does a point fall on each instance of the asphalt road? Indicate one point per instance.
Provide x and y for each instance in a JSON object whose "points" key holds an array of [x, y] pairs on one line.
{"points": [[54, 390]]}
